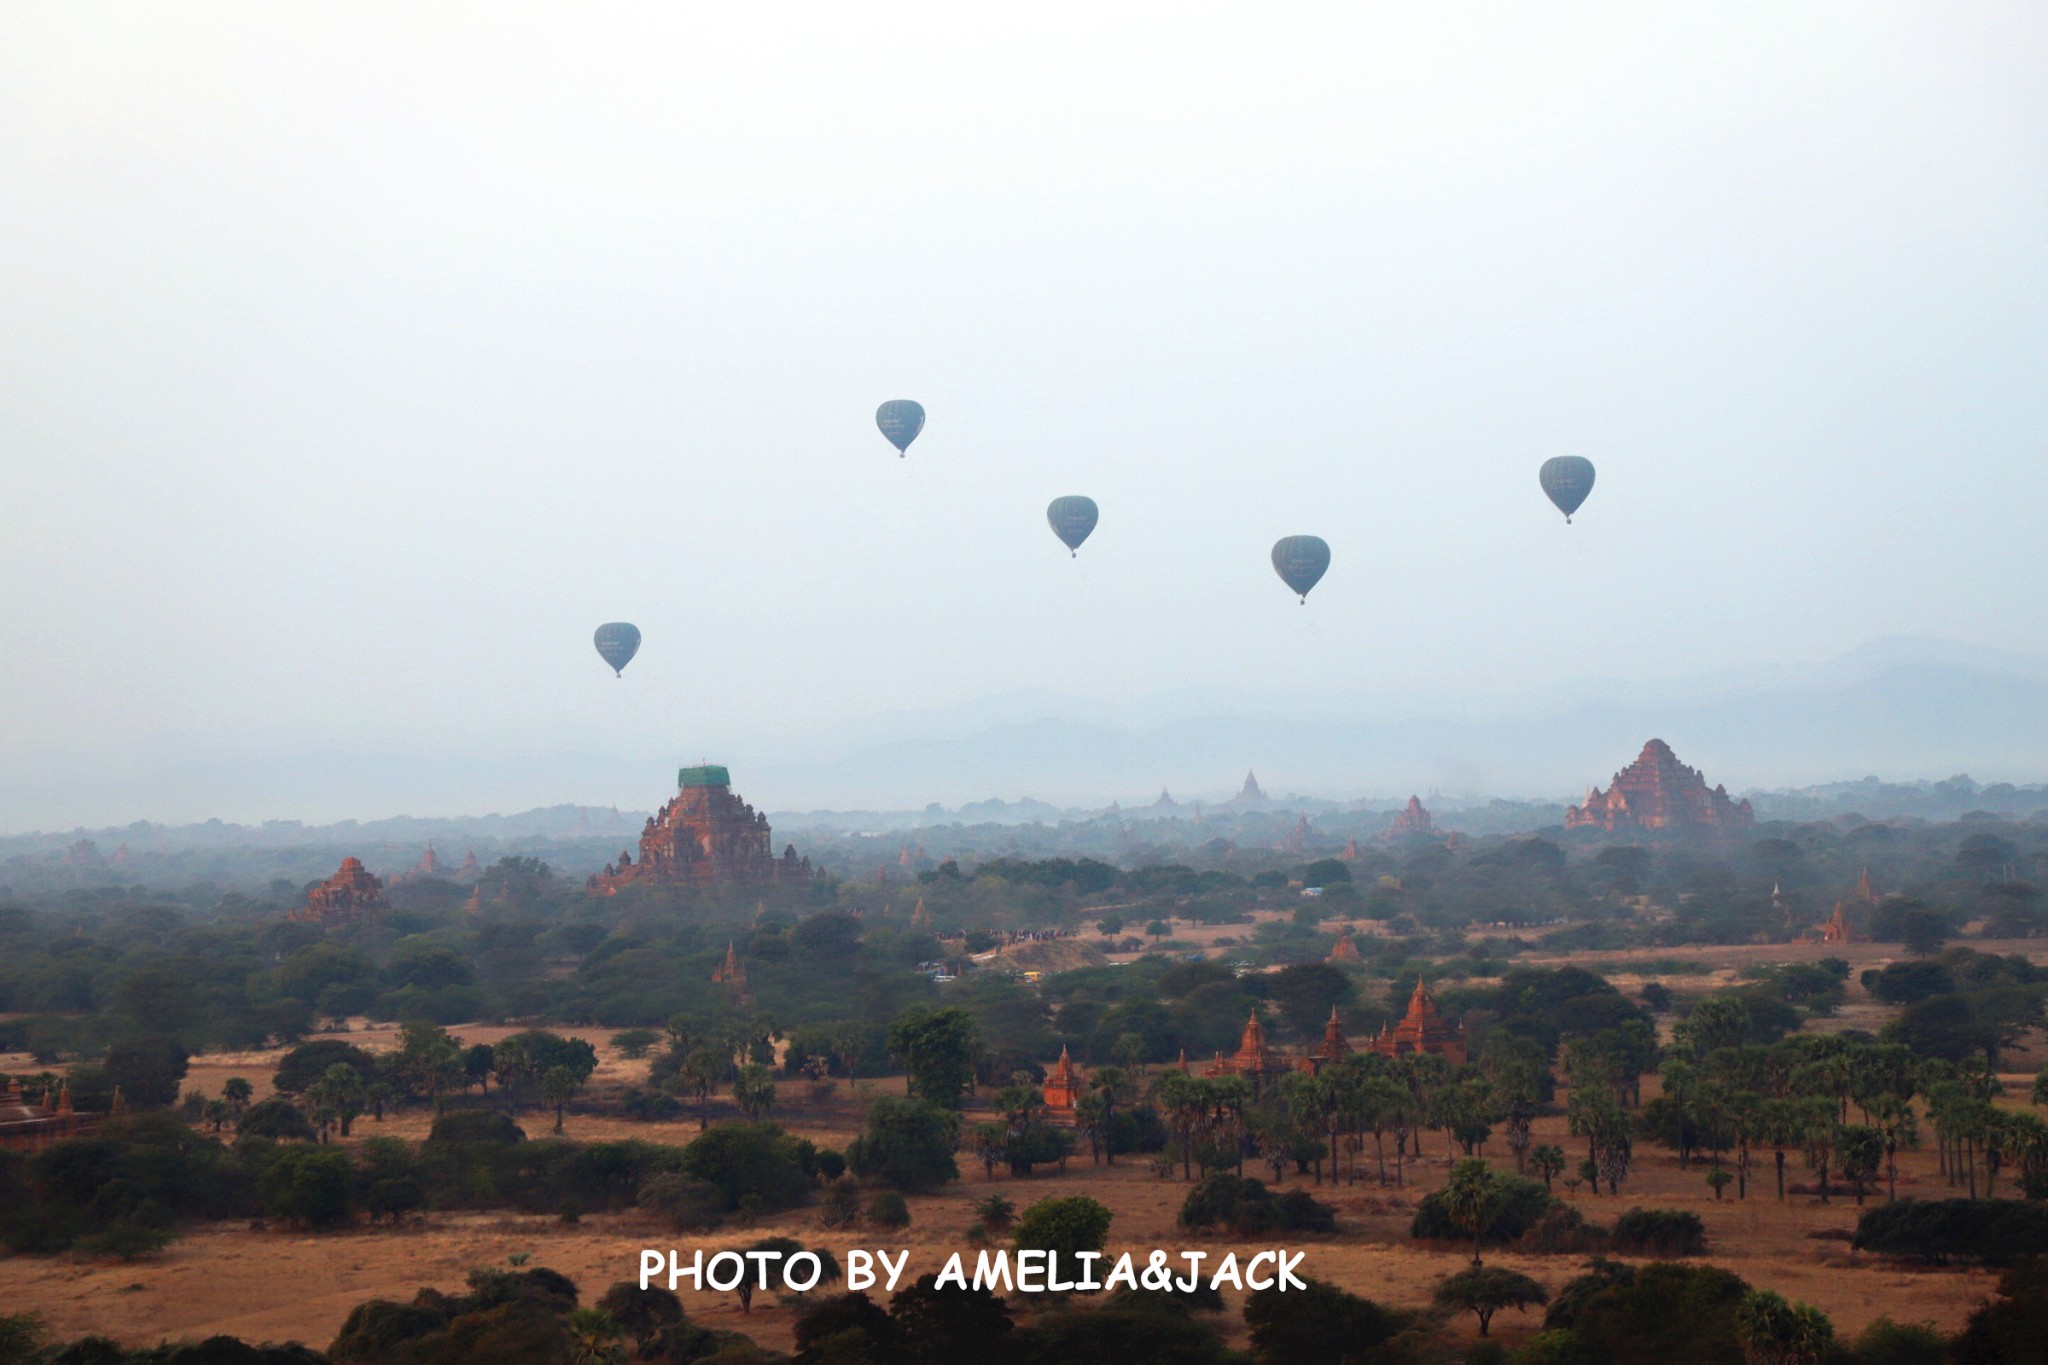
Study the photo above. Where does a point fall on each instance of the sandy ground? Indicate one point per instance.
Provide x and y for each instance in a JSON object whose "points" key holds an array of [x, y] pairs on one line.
{"points": [[277, 1285]]}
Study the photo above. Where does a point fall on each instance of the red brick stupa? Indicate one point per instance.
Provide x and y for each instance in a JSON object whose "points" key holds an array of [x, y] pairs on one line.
{"points": [[1062, 1092], [1657, 792], [703, 834]]}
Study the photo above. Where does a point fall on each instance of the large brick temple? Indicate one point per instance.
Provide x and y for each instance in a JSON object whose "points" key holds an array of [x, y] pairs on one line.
{"points": [[704, 834], [1657, 792]]}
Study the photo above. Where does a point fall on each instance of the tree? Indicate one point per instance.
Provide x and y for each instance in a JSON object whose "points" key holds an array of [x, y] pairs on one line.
{"points": [[1484, 1291], [788, 1247], [1775, 1331], [593, 1329], [309, 1187], [941, 1326], [276, 1118], [1716, 1022], [938, 1049], [1923, 932], [1068, 1226], [337, 1097], [1470, 1195], [1547, 1160], [238, 1093], [753, 1090], [558, 1086], [148, 1071], [430, 1060], [908, 1144]]}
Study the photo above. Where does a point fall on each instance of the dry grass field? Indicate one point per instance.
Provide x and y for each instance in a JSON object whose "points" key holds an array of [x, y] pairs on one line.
{"points": [[278, 1285]]}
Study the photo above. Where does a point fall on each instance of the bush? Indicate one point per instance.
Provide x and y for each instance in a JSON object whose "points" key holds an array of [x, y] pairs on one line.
{"points": [[374, 1331], [1668, 1312], [1322, 1325], [887, 1210], [1994, 1231], [1885, 1342], [1659, 1232], [689, 1205], [1246, 1206], [1068, 1226], [1562, 1230], [1521, 1206], [840, 1207], [475, 1125]]}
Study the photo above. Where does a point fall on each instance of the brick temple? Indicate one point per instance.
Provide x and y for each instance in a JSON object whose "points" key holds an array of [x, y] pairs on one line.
{"points": [[1422, 1029], [1657, 792], [350, 894], [704, 834], [1414, 822]]}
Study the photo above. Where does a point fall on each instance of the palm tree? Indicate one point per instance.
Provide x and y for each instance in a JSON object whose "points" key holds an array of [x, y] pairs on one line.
{"points": [[1548, 1160], [558, 1087], [1470, 1196], [593, 1329], [1773, 1331]]}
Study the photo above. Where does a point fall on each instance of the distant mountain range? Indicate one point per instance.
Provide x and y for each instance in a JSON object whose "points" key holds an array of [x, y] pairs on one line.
{"points": [[1903, 710]]}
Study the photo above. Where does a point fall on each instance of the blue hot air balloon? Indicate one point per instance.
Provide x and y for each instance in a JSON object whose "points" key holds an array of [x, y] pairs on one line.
{"points": [[1073, 519], [1567, 480], [900, 421], [1301, 562], [617, 642]]}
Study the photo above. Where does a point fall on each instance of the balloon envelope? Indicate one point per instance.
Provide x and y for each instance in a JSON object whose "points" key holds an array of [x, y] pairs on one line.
{"points": [[617, 643], [1567, 480], [900, 421], [1301, 562], [1072, 518]]}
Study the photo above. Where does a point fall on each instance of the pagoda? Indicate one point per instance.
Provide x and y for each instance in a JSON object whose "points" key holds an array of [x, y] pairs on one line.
{"points": [[1334, 1047], [1351, 853], [350, 894], [31, 1125], [1062, 1092], [1345, 950], [1422, 1029], [1255, 1059], [1414, 822], [1657, 792], [1250, 791], [731, 972], [703, 834]]}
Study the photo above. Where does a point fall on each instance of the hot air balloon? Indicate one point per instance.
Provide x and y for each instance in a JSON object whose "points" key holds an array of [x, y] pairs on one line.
{"points": [[900, 421], [1072, 518], [617, 642], [1567, 480], [1301, 562]]}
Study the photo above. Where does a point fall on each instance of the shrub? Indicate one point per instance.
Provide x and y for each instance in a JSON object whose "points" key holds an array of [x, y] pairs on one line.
{"points": [[1667, 1311], [840, 1207], [689, 1205], [2010, 1326], [1321, 1325], [475, 1125], [1068, 1226], [1885, 1342], [887, 1210], [1246, 1206], [1659, 1232], [1994, 1231], [1562, 1230], [374, 1331]]}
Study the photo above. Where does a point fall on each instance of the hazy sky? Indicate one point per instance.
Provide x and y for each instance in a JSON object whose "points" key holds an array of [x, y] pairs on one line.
{"points": [[357, 361]]}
